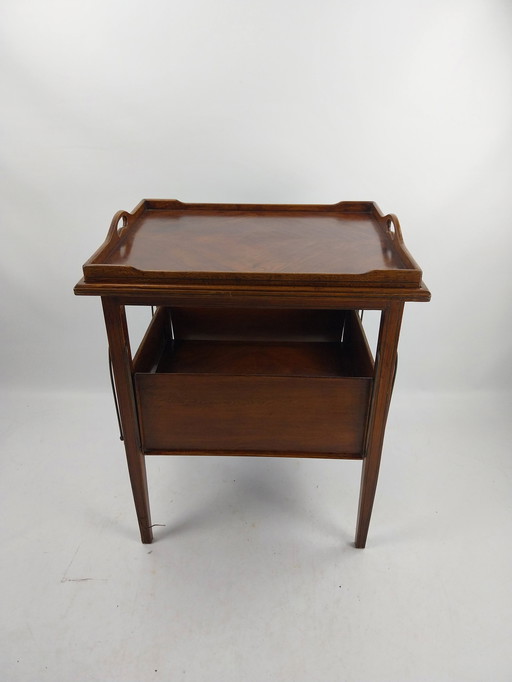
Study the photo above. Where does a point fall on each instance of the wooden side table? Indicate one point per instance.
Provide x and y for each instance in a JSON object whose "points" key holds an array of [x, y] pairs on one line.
{"points": [[256, 346]]}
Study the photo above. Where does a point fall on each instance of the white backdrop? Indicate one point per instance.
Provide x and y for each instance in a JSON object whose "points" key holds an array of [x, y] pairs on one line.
{"points": [[407, 103]]}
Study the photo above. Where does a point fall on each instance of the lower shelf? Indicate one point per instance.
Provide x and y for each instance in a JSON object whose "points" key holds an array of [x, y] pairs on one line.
{"points": [[242, 396]]}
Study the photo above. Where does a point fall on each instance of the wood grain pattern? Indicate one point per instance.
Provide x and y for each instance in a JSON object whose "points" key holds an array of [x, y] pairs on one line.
{"points": [[244, 414], [163, 241]]}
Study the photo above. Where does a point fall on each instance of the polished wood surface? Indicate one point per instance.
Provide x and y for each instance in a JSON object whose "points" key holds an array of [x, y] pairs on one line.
{"points": [[164, 241], [246, 414], [256, 347]]}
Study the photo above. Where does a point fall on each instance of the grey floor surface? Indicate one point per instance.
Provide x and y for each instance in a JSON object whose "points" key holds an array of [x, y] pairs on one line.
{"points": [[252, 576]]}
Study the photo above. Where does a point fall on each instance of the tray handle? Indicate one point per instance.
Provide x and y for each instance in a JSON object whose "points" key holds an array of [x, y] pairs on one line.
{"points": [[118, 225], [393, 227]]}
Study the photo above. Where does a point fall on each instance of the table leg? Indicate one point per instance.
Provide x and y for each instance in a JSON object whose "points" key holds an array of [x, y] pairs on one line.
{"points": [[383, 386], [119, 344]]}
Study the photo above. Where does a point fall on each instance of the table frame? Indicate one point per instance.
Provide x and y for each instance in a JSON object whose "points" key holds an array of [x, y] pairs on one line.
{"points": [[122, 365], [129, 270]]}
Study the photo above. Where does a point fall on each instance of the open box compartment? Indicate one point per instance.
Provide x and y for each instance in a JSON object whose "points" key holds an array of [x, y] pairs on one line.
{"points": [[253, 381]]}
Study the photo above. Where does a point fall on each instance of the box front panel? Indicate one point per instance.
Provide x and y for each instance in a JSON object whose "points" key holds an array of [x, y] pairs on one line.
{"points": [[252, 414]]}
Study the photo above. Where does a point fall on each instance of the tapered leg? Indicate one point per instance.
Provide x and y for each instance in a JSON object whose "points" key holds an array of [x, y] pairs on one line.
{"points": [[385, 364], [119, 344]]}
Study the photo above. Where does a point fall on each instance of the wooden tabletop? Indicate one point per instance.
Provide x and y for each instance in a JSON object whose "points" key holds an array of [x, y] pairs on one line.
{"points": [[167, 242]]}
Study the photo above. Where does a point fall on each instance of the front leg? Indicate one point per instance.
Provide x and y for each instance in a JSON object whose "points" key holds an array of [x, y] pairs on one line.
{"points": [[119, 344], [385, 365]]}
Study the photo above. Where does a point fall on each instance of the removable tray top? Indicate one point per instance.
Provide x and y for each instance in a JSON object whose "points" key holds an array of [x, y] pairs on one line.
{"points": [[166, 241]]}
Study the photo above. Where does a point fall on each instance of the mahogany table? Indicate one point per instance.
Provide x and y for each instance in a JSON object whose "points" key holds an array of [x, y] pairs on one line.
{"points": [[256, 347]]}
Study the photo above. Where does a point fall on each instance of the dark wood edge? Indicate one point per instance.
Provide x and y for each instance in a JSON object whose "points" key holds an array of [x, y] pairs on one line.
{"points": [[339, 207], [255, 453], [101, 273], [347, 297]]}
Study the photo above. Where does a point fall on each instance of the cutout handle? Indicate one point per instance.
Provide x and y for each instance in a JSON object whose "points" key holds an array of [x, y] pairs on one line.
{"points": [[118, 225], [393, 227]]}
